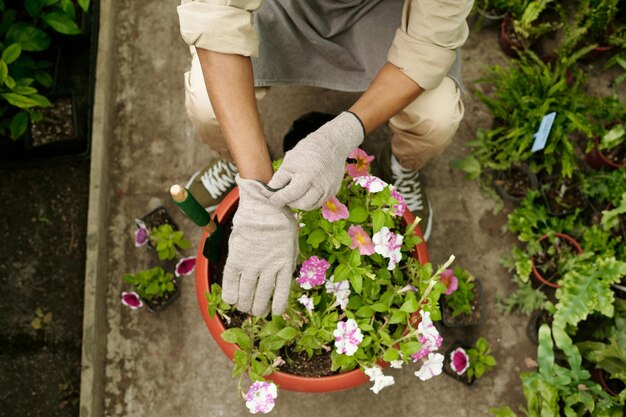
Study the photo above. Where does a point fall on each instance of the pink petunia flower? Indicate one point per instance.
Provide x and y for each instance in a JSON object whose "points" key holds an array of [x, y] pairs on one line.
{"points": [[459, 361], [429, 338], [341, 291], [361, 167], [333, 210], [142, 235], [431, 367], [185, 266], [131, 300], [348, 337], [312, 272], [399, 208], [261, 397], [361, 240], [371, 183], [307, 302], [450, 281], [389, 245]]}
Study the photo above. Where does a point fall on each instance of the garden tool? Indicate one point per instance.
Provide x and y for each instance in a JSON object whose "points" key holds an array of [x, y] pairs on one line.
{"points": [[192, 209]]}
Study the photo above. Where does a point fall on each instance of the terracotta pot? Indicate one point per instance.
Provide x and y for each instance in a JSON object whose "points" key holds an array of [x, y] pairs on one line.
{"points": [[508, 44], [597, 53], [571, 241], [597, 160], [286, 381]]}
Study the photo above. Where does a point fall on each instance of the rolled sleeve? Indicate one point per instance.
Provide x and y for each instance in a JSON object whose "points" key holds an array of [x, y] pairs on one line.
{"points": [[424, 46], [220, 25]]}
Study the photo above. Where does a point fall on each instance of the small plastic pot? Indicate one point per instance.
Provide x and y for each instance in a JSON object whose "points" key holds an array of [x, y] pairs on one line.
{"points": [[602, 377], [156, 307], [156, 218], [501, 175], [289, 382], [566, 212], [535, 321], [567, 238], [447, 319], [447, 368], [46, 135], [491, 16]]}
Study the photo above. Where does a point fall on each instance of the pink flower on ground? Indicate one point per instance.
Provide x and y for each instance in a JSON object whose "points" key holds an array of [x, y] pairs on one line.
{"points": [[361, 240], [459, 361], [348, 337], [341, 291], [185, 266], [388, 244], [361, 166], [131, 300], [371, 183], [399, 208], [307, 302], [261, 396], [142, 235], [333, 210], [450, 281], [312, 272], [431, 367]]}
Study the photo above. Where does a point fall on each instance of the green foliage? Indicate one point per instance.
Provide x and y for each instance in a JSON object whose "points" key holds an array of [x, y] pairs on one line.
{"points": [[604, 186], [611, 218], [24, 73], [216, 304], [525, 298], [462, 298], [526, 19], [480, 359], [594, 22], [151, 283], [167, 241]]}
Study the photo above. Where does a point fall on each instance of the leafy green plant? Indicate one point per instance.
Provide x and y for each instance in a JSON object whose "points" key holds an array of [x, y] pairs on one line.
{"points": [[593, 22], [611, 218], [151, 283], [555, 390], [348, 283], [525, 299], [480, 359], [521, 95], [461, 299], [527, 22], [60, 15], [167, 241]]}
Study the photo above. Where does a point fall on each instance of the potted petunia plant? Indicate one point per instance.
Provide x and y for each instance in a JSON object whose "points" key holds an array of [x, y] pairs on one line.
{"points": [[462, 300], [467, 364], [364, 297]]}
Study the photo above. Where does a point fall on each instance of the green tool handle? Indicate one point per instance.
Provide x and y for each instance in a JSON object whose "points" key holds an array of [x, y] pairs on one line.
{"points": [[192, 209]]}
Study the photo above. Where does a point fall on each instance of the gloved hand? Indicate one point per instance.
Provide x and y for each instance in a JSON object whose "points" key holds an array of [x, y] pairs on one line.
{"points": [[313, 170], [262, 252]]}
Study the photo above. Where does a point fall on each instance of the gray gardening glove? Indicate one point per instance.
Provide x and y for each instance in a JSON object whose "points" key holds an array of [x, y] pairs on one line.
{"points": [[262, 252], [313, 170]]}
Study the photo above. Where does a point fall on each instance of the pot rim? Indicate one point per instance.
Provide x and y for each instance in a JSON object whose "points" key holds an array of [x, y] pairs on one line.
{"points": [[286, 381], [603, 157], [573, 242]]}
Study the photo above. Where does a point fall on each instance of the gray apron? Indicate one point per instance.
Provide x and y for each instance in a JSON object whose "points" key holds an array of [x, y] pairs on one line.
{"points": [[335, 44]]}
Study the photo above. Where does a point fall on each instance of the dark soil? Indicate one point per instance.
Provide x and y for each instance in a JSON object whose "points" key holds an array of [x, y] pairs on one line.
{"points": [[295, 363], [563, 196], [548, 265], [157, 217], [42, 223], [464, 319], [514, 182], [58, 123], [610, 385], [617, 155]]}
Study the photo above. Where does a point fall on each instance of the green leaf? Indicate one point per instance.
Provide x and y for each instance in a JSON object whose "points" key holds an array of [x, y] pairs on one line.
{"points": [[19, 123], [391, 355], [10, 82], [411, 304], [288, 333], [61, 22], [31, 38], [469, 165], [379, 307], [316, 237], [11, 53], [32, 7], [84, 4], [358, 214], [356, 280], [378, 220], [398, 317], [25, 91], [44, 79], [410, 348], [237, 336], [4, 72], [364, 311], [341, 272]]}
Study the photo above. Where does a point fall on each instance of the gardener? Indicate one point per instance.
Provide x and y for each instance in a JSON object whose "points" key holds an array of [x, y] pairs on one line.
{"points": [[406, 59]]}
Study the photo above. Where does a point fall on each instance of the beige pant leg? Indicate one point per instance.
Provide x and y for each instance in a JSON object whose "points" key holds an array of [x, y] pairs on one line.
{"points": [[426, 127], [200, 110]]}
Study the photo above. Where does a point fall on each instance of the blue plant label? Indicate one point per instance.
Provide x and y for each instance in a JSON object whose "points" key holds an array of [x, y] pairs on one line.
{"points": [[541, 137]]}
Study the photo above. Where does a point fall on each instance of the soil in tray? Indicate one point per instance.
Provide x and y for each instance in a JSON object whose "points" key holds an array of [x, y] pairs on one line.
{"points": [[565, 197], [57, 124], [462, 318], [514, 182], [158, 217], [296, 363]]}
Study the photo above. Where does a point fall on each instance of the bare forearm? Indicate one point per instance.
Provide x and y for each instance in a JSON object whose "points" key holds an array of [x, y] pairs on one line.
{"points": [[230, 85], [390, 92]]}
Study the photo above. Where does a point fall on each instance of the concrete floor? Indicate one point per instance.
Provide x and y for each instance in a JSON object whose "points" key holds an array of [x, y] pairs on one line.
{"points": [[168, 364]]}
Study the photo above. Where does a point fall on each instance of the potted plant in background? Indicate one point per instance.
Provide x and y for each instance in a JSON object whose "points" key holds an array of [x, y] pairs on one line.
{"points": [[550, 264], [155, 287], [491, 11], [462, 301], [525, 23], [468, 364], [360, 300], [562, 195]]}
